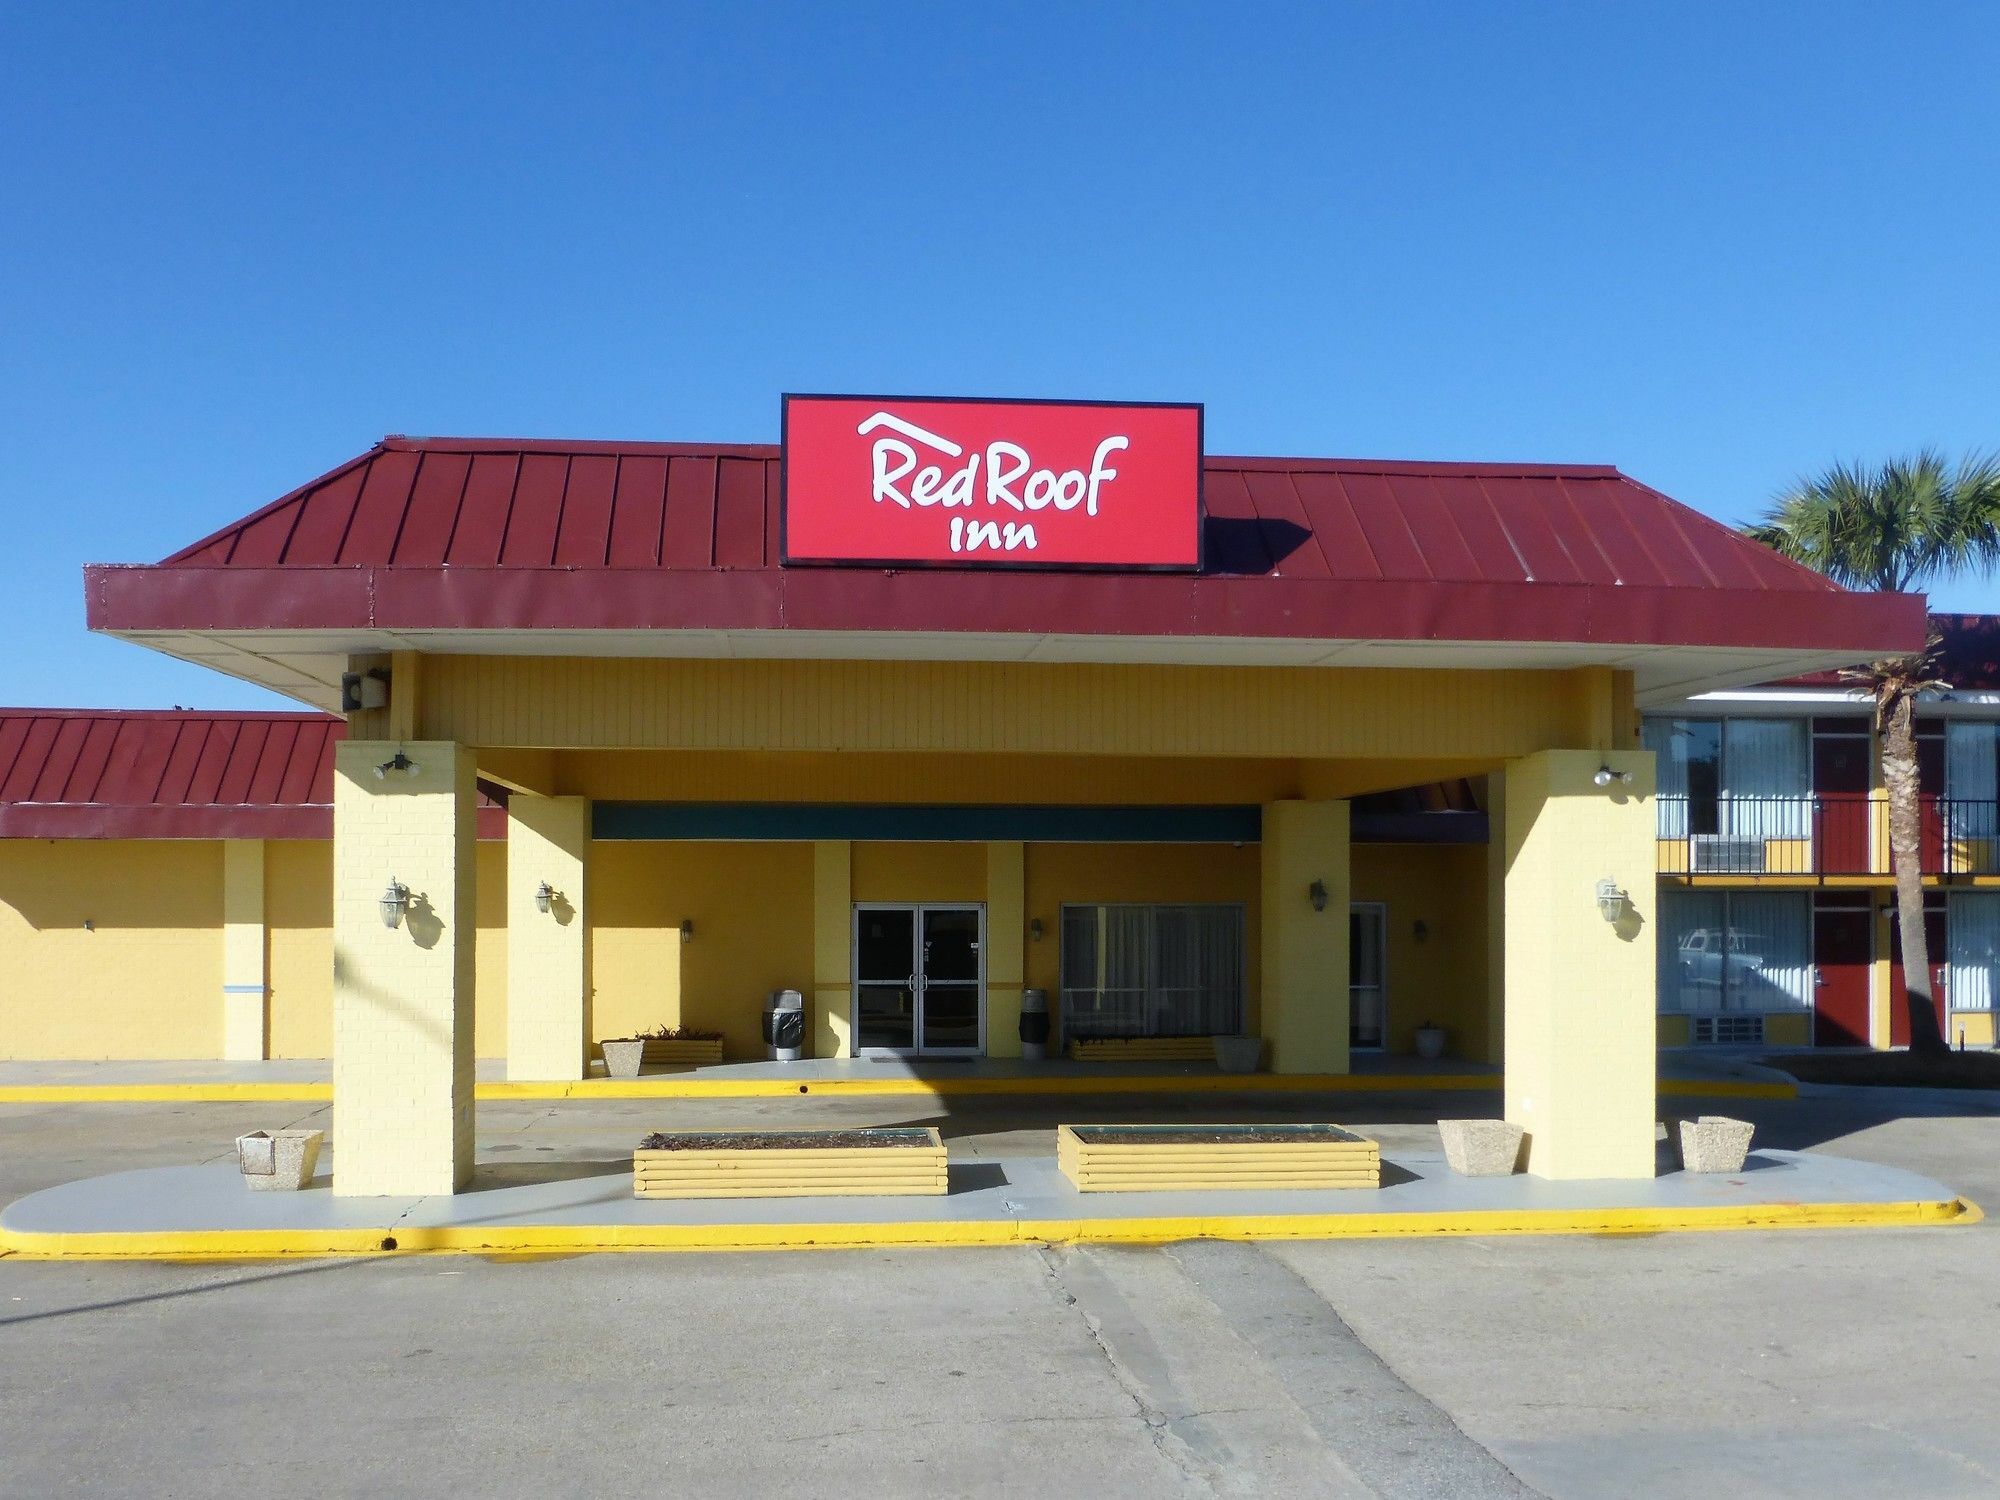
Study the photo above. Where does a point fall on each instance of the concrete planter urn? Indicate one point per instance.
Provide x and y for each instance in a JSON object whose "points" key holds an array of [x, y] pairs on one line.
{"points": [[622, 1058], [1430, 1041], [279, 1161], [1710, 1143], [1481, 1148], [1238, 1054]]}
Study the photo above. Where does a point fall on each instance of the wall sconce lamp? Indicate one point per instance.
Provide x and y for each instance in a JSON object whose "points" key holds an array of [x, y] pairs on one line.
{"points": [[1316, 893], [396, 762], [545, 896], [395, 901], [1611, 900], [1035, 929], [687, 929], [1604, 776]]}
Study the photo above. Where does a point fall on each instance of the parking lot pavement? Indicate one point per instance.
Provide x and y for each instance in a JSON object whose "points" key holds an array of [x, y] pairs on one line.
{"points": [[1805, 1363]]}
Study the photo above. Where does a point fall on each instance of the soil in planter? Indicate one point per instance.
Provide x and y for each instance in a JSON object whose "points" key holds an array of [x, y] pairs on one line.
{"points": [[782, 1140], [1213, 1135]]}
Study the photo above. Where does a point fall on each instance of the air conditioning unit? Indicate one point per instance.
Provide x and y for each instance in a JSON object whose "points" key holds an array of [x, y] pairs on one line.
{"points": [[1725, 854], [1727, 1031]]}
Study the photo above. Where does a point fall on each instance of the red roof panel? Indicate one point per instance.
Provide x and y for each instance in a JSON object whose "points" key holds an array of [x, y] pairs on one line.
{"points": [[88, 773], [456, 533]]}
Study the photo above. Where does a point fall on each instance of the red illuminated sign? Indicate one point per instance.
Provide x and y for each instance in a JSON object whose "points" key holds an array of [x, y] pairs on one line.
{"points": [[929, 481]]}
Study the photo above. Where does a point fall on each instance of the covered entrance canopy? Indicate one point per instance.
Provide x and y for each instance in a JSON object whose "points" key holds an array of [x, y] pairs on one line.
{"points": [[607, 630]]}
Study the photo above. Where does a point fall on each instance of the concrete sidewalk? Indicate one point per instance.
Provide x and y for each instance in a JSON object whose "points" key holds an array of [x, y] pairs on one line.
{"points": [[577, 1207]]}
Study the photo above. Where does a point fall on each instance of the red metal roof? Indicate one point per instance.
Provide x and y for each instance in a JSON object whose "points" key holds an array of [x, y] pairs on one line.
{"points": [[172, 774], [459, 533]]}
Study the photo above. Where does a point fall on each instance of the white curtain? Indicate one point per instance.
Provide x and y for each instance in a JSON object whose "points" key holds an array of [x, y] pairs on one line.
{"points": [[1765, 781], [1771, 943], [1735, 951], [1690, 942], [1132, 970], [1975, 948], [1970, 783], [1667, 739]]}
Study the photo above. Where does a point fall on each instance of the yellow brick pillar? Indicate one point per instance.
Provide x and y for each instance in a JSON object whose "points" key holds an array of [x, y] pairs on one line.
{"points": [[402, 996], [1006, 946], [1580, 1031], [1305, 982], [833, 933], [548, 952], [245, 993]]}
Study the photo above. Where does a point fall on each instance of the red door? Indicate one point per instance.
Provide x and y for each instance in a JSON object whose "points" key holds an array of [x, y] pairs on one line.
{"points": [[1930, 797], [1936, 934], [1840, 775], [1843, 948]]}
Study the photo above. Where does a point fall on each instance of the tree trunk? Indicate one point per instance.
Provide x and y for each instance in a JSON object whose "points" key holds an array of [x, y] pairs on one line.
{"points": [[1895, 717]]}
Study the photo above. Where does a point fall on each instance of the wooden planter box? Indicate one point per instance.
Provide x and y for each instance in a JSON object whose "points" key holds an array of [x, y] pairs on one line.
{"points": [[1142, 1049], [692, 1053], [1172, 1158], [896, 1161]]}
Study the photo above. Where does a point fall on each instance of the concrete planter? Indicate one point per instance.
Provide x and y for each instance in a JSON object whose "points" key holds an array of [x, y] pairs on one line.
{"points": [[622, 1059], [279, 1161], [1184, 1158], [1238, 1054], [1430, 1042], [898, 1161], [1481, 1148], [1711, 1143]]}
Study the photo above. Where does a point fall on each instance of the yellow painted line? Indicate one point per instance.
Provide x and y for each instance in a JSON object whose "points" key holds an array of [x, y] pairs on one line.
{"points": [[163, 1093], [677, 1087], [559, 1239]]}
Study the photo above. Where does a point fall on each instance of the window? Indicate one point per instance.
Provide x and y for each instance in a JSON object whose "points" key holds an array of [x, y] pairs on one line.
{"points": [[1970, 785], [1974, 948], [1733, 777], [1735, 951], [1366, 1008], [1131, 970]]}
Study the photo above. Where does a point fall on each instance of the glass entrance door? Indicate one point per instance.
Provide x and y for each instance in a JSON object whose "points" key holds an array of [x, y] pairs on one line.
{"points": [[919, 979]]}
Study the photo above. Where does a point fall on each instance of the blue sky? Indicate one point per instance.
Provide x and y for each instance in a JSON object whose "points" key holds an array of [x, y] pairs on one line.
{"points": [[1716, 246]]}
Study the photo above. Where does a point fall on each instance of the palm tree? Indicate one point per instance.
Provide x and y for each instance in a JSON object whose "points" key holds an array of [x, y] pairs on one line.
{"points": [[1897, 528]]}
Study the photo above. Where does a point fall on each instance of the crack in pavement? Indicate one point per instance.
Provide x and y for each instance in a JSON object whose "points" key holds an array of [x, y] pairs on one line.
{"points": [[1401, 1444]]}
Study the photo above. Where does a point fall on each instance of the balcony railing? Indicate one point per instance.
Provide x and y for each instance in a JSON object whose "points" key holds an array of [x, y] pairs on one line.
{"points": [[1825, 833]]}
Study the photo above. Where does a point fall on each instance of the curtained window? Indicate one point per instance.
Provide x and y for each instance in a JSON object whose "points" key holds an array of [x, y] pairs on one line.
{"points": [[1130, 970], [1969, 781], [1975, 948], [1735, 951]]}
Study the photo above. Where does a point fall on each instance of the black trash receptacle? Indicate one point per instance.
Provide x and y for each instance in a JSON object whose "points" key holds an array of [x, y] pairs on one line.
{"points": [[1034, 1025], [784, 1026]]}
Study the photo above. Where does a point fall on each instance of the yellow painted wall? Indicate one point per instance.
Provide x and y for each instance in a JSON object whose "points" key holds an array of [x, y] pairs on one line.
{"points": [[1091, 873], [752, 909], [1793, 1029], [919, 872], [298, 907], [1057, 708], [1976, 1026], [1442, 977], [146, 983]]}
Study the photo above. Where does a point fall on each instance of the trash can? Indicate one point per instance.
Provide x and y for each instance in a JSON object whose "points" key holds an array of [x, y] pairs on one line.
{"points": [[784, 1026], [1034, 1025]]}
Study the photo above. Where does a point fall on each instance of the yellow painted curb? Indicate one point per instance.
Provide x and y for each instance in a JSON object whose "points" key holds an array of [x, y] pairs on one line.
{"points": [[679, 1087], [164, 1093], [566, 1239]]}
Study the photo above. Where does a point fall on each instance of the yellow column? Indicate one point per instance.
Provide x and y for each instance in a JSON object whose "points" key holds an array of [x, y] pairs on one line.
{"points": [[1580, 1032], [1306, 976], [1496, 918], [833, 964], [1006, 946], [548, 952], [244, 993], [402, 996]]}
